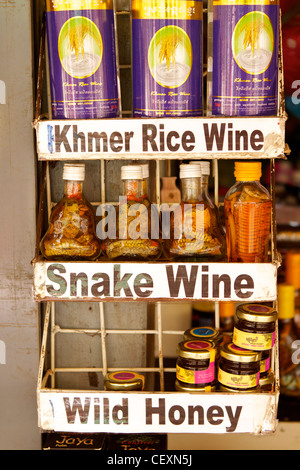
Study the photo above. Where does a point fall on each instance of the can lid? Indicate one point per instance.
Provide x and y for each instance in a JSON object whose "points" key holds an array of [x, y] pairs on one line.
{"points": [[131, 172], [124, 380], [226, 309], [256, 313], [286, 301], [247, 171], [145, 169], [205, 166], [195, 349], [206, 333], [292, 264], [191, 170], [74, 171], [234, 353], [189, 389]]}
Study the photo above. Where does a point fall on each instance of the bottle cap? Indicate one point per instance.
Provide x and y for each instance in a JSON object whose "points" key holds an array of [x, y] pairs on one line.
{"points": [[286, 301], [131, 172], [236, 354], [74, 171], [124, 380], [226, 309], [199, 350], [192, 170], [247, 171], [256, 313], [292, 263], [145, 169], [205, 166]]}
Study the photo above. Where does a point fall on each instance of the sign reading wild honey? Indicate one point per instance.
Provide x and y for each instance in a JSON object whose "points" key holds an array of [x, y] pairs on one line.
{"points": [[154, 281]]}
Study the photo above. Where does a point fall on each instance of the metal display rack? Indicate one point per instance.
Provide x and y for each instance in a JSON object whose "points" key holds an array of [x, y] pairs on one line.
{"points": [[149, 411]]}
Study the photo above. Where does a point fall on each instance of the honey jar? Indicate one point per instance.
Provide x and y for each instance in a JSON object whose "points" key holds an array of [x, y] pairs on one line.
{"points": [[189, 389], [195, 366], [124, 380], [267, 382], [239, 368], [265, 363], [255, 327]]}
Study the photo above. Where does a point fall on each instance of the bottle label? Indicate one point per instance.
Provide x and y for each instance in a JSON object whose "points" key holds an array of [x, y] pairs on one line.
{"points": [[245, 57], [82, 59], [196, 376], [238, 381], [265, 365], [253, 341], [167, 58]]}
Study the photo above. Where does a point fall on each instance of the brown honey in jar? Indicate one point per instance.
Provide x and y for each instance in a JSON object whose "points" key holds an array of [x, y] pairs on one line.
{"points": [[195, 366], [124, 380], [71, 234], [133, 240], [248, 208], [194, 232], [239, 368], [255, 327]]}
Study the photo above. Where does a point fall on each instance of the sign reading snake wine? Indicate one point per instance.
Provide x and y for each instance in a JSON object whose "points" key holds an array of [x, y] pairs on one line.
{"points": [[155, 281]]}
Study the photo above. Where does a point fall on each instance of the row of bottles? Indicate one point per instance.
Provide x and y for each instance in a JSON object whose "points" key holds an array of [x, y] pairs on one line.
{"points": [[167, 58], [135, 229]]}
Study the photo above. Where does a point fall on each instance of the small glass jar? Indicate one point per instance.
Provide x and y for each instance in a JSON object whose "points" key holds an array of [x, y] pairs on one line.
{"points": [[222, 388], [195, 366], [204, 333], [266, 383], [239, 368], [255, 327], [265, 363], [188, 389], [124, 380]]}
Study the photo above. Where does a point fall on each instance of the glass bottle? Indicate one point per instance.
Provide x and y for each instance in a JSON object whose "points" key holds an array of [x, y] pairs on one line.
{"points": [[289, 342], [71, 234], [133, 222], [145, 170], [292, 276], [248, 209], [194, 230]]}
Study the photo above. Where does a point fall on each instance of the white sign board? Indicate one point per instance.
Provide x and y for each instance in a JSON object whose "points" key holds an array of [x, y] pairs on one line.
{"points": [[161, 138], [144, 413], [155, 281]]}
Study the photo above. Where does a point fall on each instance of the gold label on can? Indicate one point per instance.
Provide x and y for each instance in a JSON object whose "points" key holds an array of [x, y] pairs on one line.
{"points": [[179, 10]]}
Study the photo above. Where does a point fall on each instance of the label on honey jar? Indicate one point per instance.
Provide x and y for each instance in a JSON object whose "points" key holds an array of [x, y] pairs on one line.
{"points": [[238, 381], [253, 341], [196, 376]]}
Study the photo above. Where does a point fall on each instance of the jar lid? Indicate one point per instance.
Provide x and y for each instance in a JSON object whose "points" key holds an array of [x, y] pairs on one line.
{"points": [[267, 379], [187, 388], [195, 349], [74, 171], [223, 388], [205, 166], [292, 265], [256, 313], [124, 380], [191, 170], [131, 172], [247, 171], [204, 333], [145, 169], [286, 301], [234, 353]]}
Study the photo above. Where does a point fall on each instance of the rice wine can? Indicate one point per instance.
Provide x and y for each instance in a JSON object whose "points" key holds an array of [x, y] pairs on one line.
{"points": [[167, 57], [245, 57], [82, 59]]}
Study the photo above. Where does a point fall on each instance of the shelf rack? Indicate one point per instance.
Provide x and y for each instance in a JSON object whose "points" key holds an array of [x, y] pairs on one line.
{"points": [[158, 410]]}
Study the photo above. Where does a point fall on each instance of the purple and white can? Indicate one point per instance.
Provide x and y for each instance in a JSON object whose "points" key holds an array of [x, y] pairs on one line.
{"points": [[82, 59], [245, 57], [167, 58]]}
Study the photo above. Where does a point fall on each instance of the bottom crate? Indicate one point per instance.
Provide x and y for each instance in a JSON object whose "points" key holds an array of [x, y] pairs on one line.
{"points": [[68, 409]]}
